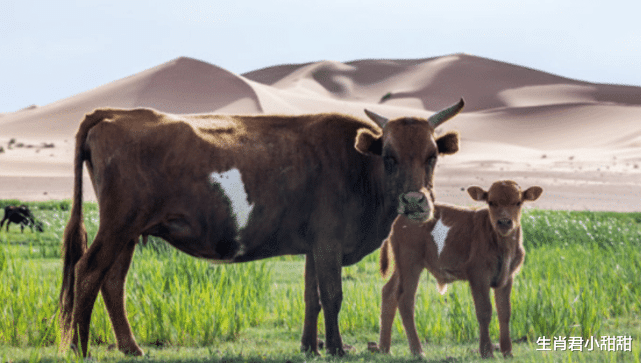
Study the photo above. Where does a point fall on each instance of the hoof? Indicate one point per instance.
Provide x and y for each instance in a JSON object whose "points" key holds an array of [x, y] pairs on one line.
{"points": [[311, 350], [489, 353], [136, 352], [340, 352], [373, 347]]}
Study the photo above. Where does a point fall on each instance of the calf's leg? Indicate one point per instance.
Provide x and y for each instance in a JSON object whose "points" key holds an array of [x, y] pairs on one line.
{"points": [[504, 310], [483, 305], [409, 277], [389, 304], [113, 292]]}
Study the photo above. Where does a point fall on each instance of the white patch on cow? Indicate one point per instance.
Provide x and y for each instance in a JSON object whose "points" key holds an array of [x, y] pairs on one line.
{"points": [[232, 185], [442, 288], [439, 234]]}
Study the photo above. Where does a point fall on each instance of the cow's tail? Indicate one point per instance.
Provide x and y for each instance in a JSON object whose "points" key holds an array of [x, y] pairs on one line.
{"points": [[74, 242], [385, 257]]}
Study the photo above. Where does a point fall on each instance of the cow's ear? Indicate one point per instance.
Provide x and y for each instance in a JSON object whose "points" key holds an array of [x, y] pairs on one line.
{"points": [[368, 143], [477, 193], [532, 193], [448, 143]]}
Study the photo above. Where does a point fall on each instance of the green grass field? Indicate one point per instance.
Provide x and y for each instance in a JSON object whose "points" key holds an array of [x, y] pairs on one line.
{"points": [[581, 281]]}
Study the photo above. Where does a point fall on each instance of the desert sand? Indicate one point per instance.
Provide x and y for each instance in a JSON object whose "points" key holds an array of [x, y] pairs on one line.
{"points": [[580, 141]]}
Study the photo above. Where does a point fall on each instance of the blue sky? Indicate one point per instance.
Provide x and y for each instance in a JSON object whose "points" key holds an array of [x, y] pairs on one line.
{"points": [[50, 50]]}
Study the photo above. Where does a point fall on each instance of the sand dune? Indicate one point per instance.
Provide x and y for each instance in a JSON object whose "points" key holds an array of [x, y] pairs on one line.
{"points": [[182, 85], [580, 141]]}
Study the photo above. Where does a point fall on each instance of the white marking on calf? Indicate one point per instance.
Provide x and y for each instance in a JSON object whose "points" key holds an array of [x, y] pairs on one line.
{"points": [[232, 185], [439, 234]]}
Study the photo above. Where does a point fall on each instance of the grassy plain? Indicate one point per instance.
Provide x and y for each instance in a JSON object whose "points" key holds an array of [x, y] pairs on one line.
{"points": [[581, 279]]}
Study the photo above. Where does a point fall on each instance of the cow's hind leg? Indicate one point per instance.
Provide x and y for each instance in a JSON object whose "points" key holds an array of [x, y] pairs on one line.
{"points": [[113, 292], [91, 272], [309, 341]]}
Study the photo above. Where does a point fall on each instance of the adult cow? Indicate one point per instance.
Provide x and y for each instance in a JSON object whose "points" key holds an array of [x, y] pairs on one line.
{"points": [[22, 216], [243, 188]]}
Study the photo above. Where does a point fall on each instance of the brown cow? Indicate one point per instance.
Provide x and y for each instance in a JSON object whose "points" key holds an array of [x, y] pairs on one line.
{"points": [[484, 247], [243, 188]]}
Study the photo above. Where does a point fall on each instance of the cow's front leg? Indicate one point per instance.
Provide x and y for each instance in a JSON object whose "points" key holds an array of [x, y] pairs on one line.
{"points": [[309, 341], [481, 294], [328, 262], [504, 310]]}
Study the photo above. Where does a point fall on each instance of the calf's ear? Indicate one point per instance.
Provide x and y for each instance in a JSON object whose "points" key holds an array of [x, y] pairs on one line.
{"points": [[477, 193], [532, 193], [448, 143], [368, 143]]}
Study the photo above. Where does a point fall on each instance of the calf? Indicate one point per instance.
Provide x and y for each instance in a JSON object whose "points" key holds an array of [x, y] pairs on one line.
{"points": [[484, 247], [20, 215]]}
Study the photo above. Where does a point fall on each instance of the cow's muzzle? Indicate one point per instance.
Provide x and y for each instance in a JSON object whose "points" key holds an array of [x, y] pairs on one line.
{"points": [[416, 206]]}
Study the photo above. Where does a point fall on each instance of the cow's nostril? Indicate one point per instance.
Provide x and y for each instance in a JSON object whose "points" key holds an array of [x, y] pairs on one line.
{"points": [[413, 197]]}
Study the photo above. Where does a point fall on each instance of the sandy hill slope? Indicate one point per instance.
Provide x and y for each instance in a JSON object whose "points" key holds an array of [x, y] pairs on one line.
{"points": [[431, 82], [183, 85], [581, 141]]}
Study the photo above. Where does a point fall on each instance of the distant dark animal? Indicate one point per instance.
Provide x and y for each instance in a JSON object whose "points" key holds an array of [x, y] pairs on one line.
{"points": [[484, 247], [243, 188], [20, 215]]}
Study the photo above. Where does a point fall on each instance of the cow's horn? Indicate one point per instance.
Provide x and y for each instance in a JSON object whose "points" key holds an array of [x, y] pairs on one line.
{"points": [[380, 120], [446, 114]]}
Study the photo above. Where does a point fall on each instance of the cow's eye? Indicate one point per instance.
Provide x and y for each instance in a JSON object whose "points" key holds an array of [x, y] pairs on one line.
{"points": [[390, 159], [431, 161], [491, 204], [390, 162], [518, 204]]}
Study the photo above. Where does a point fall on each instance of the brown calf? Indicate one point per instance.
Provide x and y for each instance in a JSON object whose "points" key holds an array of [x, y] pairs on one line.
{"points": [[484, 247]]}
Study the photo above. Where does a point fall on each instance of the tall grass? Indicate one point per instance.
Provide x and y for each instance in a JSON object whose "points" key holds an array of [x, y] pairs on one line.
{"points": [[581, 270], [171, 298], [192, 302]]}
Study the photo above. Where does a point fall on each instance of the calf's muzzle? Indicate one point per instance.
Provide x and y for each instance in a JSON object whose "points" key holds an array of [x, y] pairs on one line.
{"points": [[504, 225]]}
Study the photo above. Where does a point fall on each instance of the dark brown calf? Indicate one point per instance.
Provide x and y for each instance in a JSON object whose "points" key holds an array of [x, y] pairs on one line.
{"points": [[484, 247]]}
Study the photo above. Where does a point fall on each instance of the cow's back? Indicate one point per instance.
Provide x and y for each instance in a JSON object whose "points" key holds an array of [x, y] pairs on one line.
{"points": [[171, 166]]}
